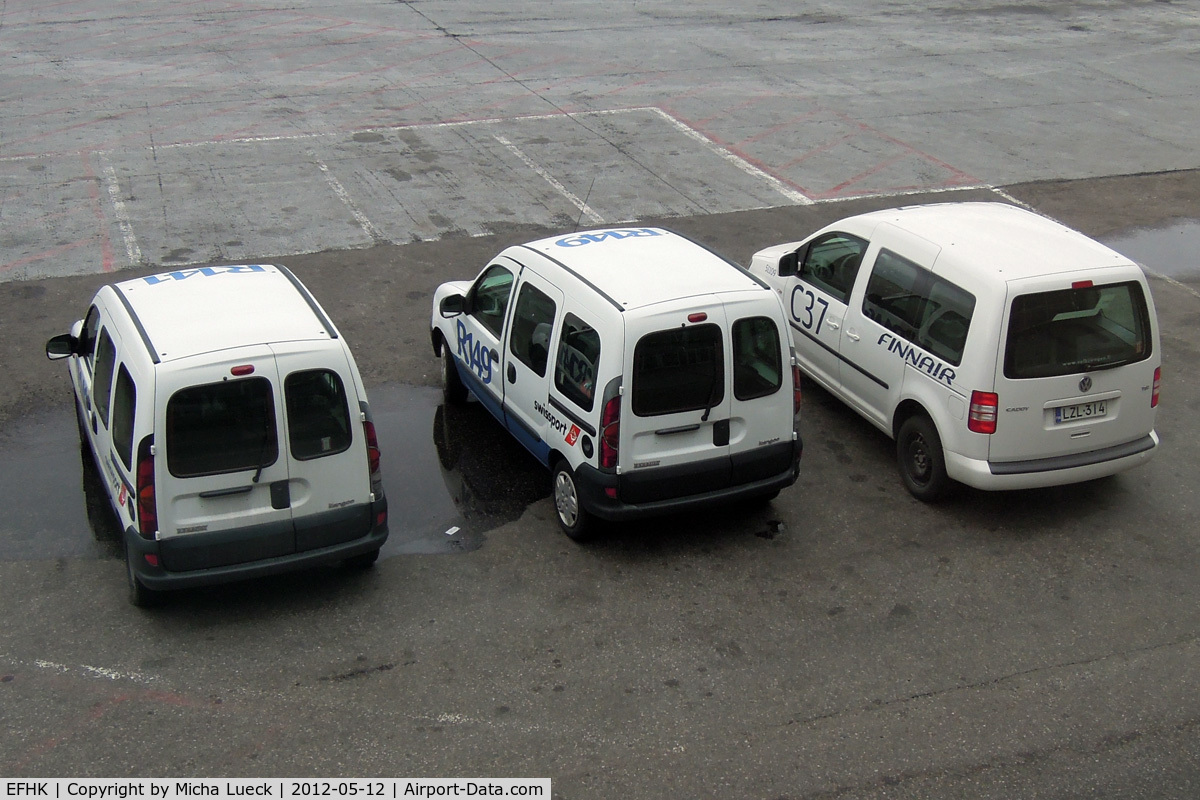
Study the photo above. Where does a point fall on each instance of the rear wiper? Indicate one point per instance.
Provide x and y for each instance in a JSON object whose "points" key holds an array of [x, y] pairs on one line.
{"points": [[262, 450], [716, 384]]}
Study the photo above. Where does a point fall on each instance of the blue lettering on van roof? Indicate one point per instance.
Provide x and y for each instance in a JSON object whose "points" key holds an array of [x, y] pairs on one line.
{"points": [[184, 274], [578, 240]]}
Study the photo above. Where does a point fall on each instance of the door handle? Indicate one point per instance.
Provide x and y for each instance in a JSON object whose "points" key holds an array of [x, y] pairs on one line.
{"points": [[851, 335], [512, 374], [833, 324]]}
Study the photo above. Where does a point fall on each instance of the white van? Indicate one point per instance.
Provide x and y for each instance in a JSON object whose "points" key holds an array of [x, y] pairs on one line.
{"points": [[647, 372], [230, 426], [998, 348]]}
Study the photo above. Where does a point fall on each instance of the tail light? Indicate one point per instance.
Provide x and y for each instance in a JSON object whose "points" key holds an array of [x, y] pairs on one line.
{"points": [[1157, 382], [372, 447], [795, 390], [985, 407], [147, 504], [610, 432]]}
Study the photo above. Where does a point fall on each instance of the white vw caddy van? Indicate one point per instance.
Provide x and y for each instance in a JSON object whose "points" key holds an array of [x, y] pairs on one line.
{"points": [[230, 426], [998, 348], [648, 373]]}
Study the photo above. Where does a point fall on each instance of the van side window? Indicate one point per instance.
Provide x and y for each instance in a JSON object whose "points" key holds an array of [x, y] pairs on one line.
{"points": [[221, 427], [832, 262], [918, 306], [106, 358], [123, 406], [87, 336], [532, 321], [575, 366], [757, 363], [488, 299], [1073, 330], [892, 298], [317, 413], [681, 369]]}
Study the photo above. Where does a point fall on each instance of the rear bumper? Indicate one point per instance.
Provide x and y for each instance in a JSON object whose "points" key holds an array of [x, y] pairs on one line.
{"points": [[594, 486], [1056, 471], [160, 578]]}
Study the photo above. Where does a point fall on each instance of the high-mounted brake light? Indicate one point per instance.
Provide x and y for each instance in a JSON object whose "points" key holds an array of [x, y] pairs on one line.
{"points": [[985, 407], [699, 316], [243, 369], [1081, 285], [1157, 383], [147, 504]]}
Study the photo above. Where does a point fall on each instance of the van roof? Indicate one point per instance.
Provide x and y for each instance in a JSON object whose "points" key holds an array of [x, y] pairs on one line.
{"points": [[637, 267], [991, 238], [203, 309]]}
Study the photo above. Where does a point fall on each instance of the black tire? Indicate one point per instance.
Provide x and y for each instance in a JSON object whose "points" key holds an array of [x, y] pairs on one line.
{"points": [[921, 459], [139, 595], [575, 522], [363, 560], [453, 388]]}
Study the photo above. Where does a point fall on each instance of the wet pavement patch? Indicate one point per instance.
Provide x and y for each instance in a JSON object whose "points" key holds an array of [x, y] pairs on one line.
{"points": [[451, 474], [1171, 250]]}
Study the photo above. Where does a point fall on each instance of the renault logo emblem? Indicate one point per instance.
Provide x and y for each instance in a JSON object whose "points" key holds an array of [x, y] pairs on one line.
{"points": [[1085, 383]]}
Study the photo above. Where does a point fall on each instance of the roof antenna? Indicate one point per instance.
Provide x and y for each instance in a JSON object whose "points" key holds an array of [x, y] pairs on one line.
{"points": [[583, 205]]}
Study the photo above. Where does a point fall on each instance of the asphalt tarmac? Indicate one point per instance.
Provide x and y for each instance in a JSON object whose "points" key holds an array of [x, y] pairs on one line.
{"points": [[844, 642]]}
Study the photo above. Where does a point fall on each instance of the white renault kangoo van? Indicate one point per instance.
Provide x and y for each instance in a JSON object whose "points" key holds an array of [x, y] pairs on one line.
{"points": [[230, 426], [999, 348], [647, 372]]}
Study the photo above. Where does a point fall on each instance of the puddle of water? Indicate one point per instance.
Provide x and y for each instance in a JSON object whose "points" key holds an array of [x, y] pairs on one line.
{"points": [[445, 469], [1173, 250]]}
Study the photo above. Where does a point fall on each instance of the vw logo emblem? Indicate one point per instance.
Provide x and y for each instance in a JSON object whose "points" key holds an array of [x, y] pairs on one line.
{"points": [[1085, 383]]}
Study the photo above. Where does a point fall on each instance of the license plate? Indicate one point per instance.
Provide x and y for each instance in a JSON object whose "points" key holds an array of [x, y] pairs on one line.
{"points": [[1092, 410]]}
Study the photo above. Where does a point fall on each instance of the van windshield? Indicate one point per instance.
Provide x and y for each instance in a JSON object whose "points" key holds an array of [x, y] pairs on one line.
{"points": [[221, 427], [1075, 330]]}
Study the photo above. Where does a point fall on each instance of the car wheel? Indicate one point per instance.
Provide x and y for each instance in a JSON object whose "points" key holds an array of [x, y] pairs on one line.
{"points": [[139, 595], [453, 388], [572, 518], [922, 462]]}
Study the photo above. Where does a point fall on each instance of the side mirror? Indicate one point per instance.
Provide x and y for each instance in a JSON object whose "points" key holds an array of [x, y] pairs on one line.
{"points": [[61, 346], [789, 264], [452, 306]]}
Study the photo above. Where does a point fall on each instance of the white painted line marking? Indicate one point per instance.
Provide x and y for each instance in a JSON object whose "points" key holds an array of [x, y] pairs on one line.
{"points": [[745, 166], [96, 672], [548, 178], [363, 222], [132, 251]]}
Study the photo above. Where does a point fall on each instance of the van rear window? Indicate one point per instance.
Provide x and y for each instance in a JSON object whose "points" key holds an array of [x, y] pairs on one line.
{"points": [[318, 416], [221, 427], [1067, 331], [757, 359], [681, 369]]}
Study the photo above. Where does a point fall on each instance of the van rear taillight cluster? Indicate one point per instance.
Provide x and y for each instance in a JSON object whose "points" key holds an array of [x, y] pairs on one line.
{"points": [[1157, 383], [795, 388], [985, 407], [610, 432], [373, 455], [147, 503]]}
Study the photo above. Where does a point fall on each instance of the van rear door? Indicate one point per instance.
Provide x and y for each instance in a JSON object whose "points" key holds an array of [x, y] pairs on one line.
{"points": [[329, 487], [221, 469], [1076, 362], [675, 439], [760, 417]]}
